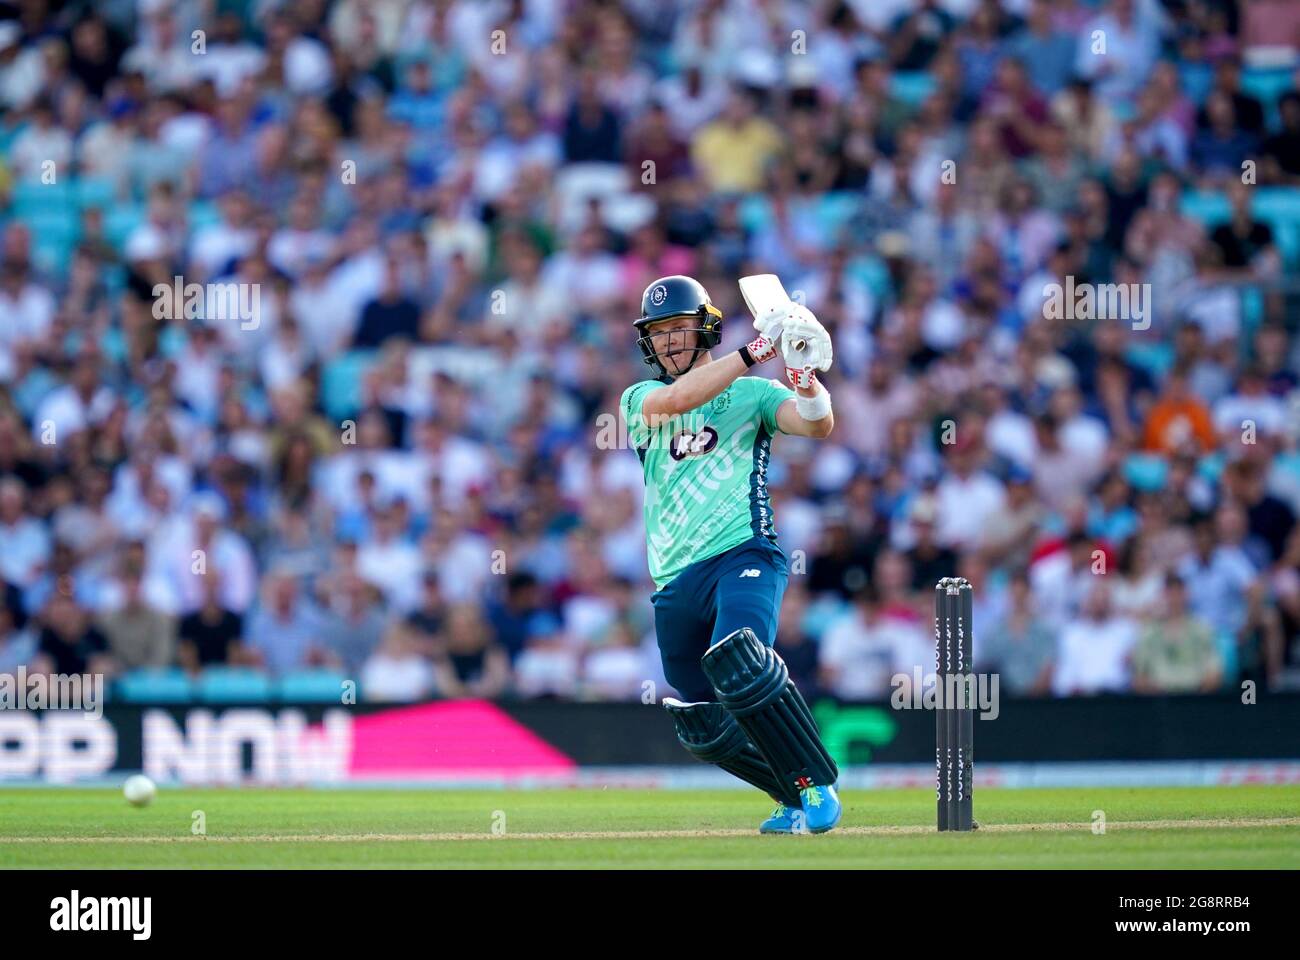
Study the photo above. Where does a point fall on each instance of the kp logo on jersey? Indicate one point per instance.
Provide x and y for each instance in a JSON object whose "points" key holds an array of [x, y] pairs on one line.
{"points": [[688, 443]]}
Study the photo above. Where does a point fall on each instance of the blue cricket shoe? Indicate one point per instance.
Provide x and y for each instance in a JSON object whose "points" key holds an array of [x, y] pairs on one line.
{"points": [[821, 808], [782, 820]]}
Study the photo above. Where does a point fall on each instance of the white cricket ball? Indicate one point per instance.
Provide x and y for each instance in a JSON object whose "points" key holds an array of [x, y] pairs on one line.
{"points": [[139, 790]]}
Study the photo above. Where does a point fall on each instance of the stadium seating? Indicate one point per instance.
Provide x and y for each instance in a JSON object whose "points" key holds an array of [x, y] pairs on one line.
{"points": [[312, 686], [233, 685], [160, 685]]}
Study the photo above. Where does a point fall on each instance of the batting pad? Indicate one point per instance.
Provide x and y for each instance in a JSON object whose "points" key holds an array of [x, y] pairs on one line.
{"points": [[709, 732], [752, 682]]}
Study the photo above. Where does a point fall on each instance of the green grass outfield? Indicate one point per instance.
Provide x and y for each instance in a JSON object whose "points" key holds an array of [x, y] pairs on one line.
{"points": [[1192, 827]]}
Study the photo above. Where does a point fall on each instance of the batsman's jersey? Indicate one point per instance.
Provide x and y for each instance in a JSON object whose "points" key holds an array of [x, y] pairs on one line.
{"points": [[705, 472]]}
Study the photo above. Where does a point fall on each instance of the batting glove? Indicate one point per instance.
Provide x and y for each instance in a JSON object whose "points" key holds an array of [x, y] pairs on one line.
{"points": [[806, 346]]}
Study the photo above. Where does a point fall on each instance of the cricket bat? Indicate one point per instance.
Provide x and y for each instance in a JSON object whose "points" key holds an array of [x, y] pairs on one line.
{"points": [[763, 293]]}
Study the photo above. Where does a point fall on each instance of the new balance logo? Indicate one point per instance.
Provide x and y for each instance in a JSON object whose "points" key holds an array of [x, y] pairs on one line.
{"points": [[751, 572]]}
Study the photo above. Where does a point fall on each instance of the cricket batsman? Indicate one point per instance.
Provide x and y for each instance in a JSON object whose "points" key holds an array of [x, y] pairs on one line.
{"points": [[703, 430]]}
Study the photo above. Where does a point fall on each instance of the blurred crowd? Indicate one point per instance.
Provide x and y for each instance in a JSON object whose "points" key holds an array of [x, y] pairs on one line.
{"points": [[389, 454]]}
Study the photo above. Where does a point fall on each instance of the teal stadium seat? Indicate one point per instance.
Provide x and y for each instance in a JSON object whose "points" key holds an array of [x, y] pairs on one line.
{"points": [[1154, 357], [1287, 238], [8, 134], [233, 685], [1279, 207], [821, 614], [874, 273], [58, 222], [912, 86], [33, 197], [203, 213], [836, 210], [1210, 209], [1226, 644], [115, 279], [120, 221], [1210, 467], [55, 231], [1252, 310], [160, 685], [754, 212], [1145, 471], [311, 686], [94, 192], [1281, 203], [1288, 462], [52, 256], [1266, 84], [340, 383], [833, 211]]}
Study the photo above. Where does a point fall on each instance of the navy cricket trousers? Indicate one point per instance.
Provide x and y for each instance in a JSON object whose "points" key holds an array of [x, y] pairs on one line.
{"points": [[740, 587]]}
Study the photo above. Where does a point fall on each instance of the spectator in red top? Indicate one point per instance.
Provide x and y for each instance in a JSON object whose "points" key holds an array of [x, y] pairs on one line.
{"points": [[1019, 110]]}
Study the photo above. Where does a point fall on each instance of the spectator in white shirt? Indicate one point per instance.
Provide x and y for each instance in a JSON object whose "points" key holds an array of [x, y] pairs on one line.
{"points": [[328, 322], [1117, 50], [1063, 578], [202, 360], [588, 271], [521, 144], [163, 56], [616, 669], [1094, 649], [217, 245], [203, 545], [81, 403], [548, 665], [397, 671], [301, 241], [967, 497], [27, 307], [43, 150], [389, 560], [24, 541], [229, 59], [22, 68], [1250, 411], [864, 650]]}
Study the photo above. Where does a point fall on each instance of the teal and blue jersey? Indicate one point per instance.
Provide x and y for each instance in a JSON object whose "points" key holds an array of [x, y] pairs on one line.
{"points": [[705, 472]]}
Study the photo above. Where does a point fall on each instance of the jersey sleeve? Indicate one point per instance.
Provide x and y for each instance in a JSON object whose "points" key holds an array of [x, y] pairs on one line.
{"points": [[771, 395], [638, 434]]}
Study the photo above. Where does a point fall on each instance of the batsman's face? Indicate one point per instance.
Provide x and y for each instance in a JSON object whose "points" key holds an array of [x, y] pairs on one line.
{"points": [[674, 341]]}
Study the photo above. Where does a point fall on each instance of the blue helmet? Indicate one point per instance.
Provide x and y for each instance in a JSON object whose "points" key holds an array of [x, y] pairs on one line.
{"points": [[677, 296]]}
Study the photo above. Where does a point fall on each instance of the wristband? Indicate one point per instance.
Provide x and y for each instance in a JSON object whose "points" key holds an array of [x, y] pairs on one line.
{"points": [[759, 350], [746, 356], [816, 407]]}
